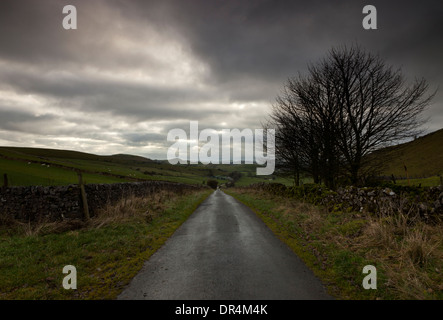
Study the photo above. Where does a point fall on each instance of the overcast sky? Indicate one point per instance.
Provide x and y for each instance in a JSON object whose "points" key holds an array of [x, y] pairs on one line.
{"points": [[135, 69]]}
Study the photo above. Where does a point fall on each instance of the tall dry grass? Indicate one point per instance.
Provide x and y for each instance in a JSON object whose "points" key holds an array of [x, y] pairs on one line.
{"points": [[409, 253], [131, 207], [40, 227], [408, 248], [125, 209]]}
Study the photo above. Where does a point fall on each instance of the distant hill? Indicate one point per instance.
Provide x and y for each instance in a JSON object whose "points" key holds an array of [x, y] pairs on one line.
{"points": [[127, 159], [36, 166], [49, 154], [423, 157]]}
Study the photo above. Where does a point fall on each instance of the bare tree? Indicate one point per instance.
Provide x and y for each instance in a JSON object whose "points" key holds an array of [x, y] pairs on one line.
{"points": [[350, 104]]}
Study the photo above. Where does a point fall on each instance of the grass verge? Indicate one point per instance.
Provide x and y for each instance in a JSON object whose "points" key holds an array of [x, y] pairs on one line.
{"points": [[107, 252], [337, 245]]}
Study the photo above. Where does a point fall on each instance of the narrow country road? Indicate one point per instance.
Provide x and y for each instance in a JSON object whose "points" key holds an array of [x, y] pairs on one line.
{"points": [[224, 252]]}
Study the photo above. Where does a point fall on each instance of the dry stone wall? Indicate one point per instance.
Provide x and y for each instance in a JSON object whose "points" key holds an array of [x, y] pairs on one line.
{"points": [[55, 203], [427, 202]]}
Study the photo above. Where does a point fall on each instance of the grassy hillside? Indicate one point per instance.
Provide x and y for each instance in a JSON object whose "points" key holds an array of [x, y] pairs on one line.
{"points": [[34, 166], [423, 157]]}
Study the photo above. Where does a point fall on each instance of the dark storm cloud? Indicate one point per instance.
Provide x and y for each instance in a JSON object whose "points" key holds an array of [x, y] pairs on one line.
{"points": [[117, 96], [143, 139], [33, 32], [135, 66], [16, 120], [254, 38], [274, 40]]}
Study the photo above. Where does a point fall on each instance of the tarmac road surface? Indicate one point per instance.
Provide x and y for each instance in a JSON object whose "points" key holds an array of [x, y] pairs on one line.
{"points": [[224, 252]]}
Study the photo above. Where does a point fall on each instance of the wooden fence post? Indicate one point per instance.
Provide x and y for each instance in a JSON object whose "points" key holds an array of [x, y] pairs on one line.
{"points": [[407, 175], [84, 199], [5, 180]]}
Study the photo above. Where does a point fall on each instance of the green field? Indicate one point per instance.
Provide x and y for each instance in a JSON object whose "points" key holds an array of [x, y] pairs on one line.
{"points": [[24, 173], [425, 182], [33, 166], [423, 158]]}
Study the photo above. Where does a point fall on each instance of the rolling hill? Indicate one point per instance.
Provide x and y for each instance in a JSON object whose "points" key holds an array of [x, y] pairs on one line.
{"points": [[423, 157], [35, 166]]}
